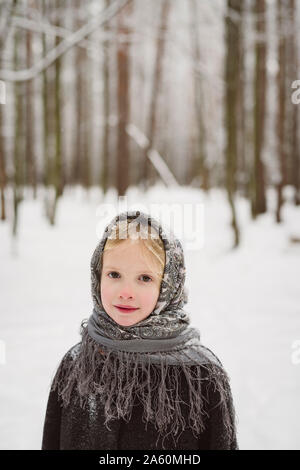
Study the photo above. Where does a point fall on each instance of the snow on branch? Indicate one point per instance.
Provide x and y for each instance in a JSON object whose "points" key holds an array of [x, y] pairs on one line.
{"points": [[64, 45]]}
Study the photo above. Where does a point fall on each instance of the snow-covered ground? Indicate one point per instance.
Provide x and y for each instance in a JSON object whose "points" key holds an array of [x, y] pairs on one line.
{"points": [[246, 303]]}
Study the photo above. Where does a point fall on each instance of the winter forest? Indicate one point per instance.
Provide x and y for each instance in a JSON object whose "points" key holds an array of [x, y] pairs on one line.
{"points": [[166, 101]]}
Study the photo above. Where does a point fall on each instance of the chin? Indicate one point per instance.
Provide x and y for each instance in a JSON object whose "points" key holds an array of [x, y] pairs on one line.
{"points": [[130, 321], [124, 322]]}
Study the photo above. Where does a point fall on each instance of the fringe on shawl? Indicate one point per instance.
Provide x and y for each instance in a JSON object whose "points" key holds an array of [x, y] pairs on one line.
{"points": [[116, 377]]}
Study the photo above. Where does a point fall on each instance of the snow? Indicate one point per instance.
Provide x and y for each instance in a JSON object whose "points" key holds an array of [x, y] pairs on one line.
{"points": [[245, 302]]}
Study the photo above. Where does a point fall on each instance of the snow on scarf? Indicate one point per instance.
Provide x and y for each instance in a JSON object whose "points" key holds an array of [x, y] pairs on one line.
{"points": [[144, 360]]}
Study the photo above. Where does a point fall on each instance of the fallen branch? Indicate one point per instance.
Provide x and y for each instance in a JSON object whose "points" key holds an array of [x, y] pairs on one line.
{"points": [[153, 155]]}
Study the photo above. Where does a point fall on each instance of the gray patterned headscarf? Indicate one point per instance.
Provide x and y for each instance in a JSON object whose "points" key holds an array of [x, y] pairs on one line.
{"points": [[168, 319], [110, 358]]}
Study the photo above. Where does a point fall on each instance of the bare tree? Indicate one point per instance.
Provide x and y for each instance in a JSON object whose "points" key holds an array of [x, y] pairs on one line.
{"points": [[106, 110], [232, 69], [148, 175], [281, 110], [123, 157], [18, 178], [258, 197], [5, 14], [294, 67], [200, 166], [81, 165], [30, 157], [241, 109], [57, 176]]}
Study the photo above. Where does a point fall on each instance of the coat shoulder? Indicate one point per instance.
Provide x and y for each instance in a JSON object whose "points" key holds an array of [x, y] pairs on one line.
{"points": [[65, 365], [209, 357], [71, 354]]}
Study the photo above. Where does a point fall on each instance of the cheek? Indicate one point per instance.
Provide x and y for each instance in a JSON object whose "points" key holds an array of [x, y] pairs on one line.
{"points": [[106, 290], [150, 297]]}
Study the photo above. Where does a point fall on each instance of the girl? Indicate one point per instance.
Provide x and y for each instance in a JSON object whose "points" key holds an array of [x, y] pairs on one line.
{"points": [[140, 377]]}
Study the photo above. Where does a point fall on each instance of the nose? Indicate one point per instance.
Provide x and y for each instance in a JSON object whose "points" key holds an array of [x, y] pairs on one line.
{"points": [[126, 293]]}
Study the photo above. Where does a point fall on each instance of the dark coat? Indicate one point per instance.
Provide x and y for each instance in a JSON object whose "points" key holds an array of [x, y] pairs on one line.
{"points": [[73, 427]]}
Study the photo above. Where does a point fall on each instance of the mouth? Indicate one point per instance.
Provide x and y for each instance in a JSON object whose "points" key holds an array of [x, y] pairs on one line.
{"points": [[125, 309]]}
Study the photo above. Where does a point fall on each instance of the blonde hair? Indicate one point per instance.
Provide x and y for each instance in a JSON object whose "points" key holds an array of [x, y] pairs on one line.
{"points": [[146, 236]]}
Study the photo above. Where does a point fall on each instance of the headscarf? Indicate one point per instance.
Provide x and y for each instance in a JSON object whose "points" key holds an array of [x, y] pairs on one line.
{"points": [[145, 361]]}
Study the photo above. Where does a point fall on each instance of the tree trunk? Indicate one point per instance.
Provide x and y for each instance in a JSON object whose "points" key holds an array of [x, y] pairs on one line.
{"points": [[258, 196], [81, 156], [45, 108], [200, 167], [106, 110], [4, 10], [78, 134], [58, 176], [3, 177], [148, 175], [18, 182], [241, 111], [294, 65], [233, 34], [281, 110], [48, 120], [29, 152], [123, 157]]}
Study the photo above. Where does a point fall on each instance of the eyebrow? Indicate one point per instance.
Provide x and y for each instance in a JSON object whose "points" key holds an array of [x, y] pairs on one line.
{"points": [[138, 272]]}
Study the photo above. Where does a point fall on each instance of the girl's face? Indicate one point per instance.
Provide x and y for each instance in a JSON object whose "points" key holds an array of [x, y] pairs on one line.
{"points": [[128, 279]]}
